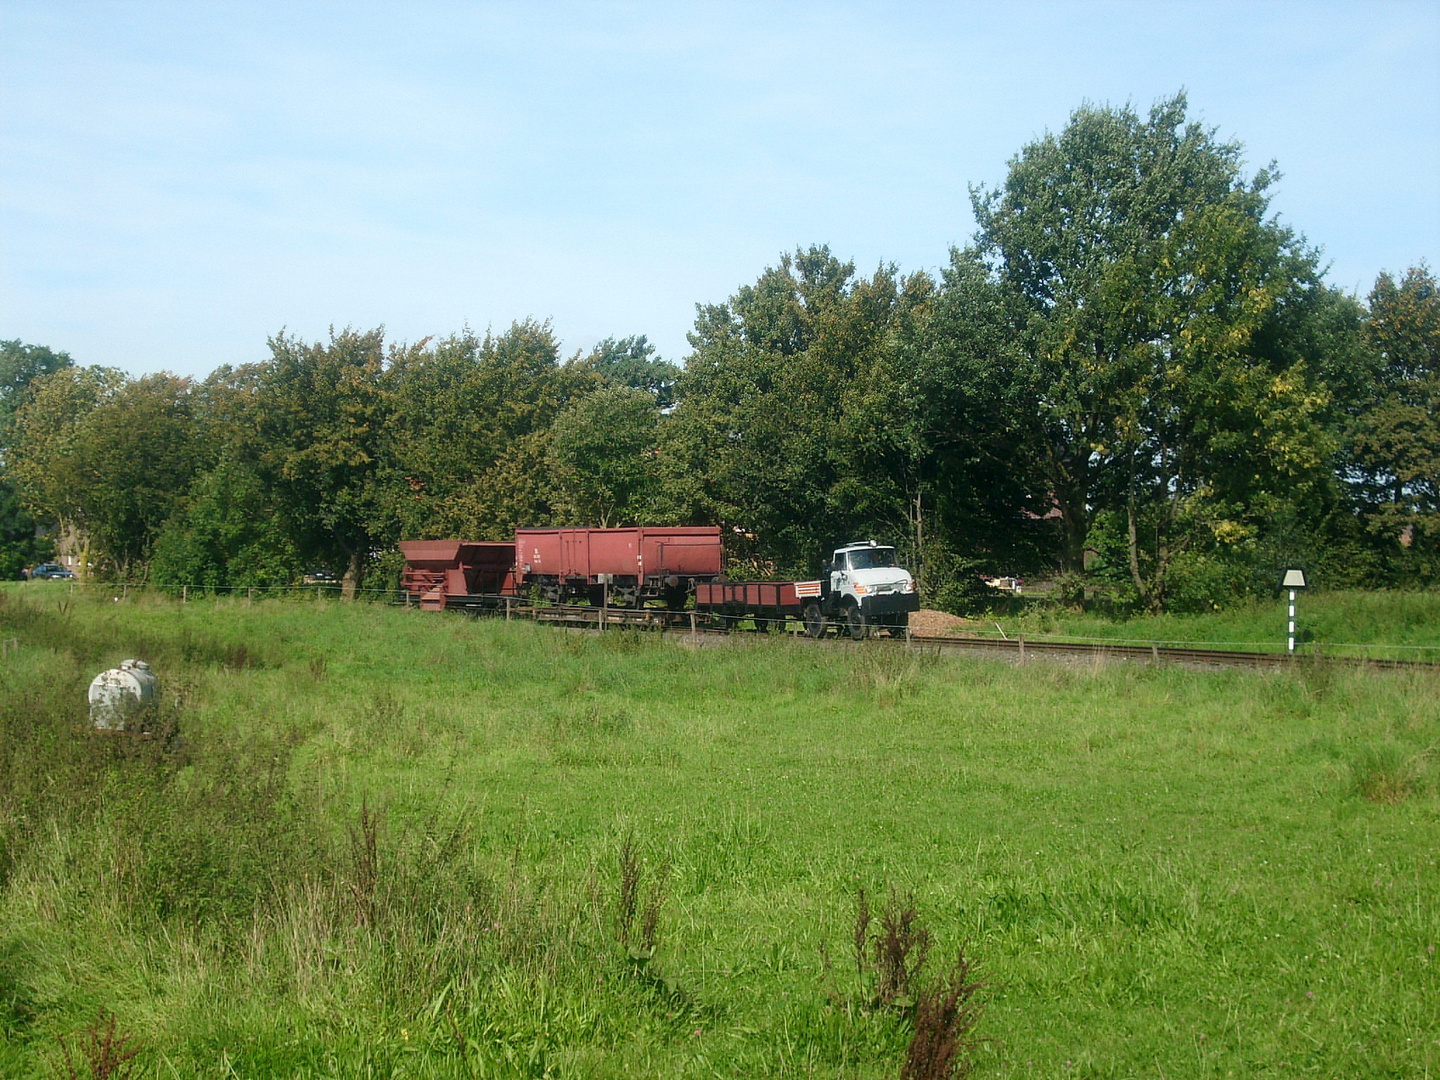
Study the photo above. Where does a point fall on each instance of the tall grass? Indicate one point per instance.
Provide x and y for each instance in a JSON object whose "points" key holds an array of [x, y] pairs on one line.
{"points": [[394, 843]]}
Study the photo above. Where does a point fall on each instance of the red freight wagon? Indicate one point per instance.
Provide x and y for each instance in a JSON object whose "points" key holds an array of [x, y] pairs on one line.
{"points": [[630, 565], [444, 571]]}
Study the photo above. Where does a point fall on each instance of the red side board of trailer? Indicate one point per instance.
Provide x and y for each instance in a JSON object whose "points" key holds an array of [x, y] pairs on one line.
{"points": [[787, 597]]}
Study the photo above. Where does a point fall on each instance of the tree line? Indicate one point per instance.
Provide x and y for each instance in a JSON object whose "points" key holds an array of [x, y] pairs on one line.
{"points": [[1133, 377]]}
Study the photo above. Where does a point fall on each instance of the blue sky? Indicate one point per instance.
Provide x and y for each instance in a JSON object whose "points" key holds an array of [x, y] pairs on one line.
{"points": [[180, 180]]}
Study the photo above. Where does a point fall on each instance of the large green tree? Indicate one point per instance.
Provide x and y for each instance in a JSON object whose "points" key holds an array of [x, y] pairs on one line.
{"points": [[602, 458], [316, 438], [20, 542], [46, 430], [133, 457], [469, 432], [631, 362], [938, 430], [1143, 281], [1397, 434], [20, 366], [757, 441]]}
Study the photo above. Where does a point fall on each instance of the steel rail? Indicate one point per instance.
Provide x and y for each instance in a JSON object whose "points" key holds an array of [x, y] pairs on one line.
{"points": [[1172, 653]]}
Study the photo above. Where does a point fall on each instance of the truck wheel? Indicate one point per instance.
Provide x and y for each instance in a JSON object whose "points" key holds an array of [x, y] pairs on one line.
{"points": [[814, 621], [855, 622]]}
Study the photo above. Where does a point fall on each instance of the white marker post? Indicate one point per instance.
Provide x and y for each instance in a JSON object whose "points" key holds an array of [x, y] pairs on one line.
{"points": [[1294, 579]]}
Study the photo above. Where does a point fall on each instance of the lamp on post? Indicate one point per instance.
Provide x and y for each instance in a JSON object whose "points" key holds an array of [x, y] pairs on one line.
{"points": [[1294, 579]]}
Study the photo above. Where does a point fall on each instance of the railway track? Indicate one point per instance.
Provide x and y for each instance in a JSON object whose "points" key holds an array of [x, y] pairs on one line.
{"points": [[1020, 648], [1016, 648]]}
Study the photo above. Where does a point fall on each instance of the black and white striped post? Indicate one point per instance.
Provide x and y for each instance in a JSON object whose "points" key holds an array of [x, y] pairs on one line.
{"points": [[1294, 579]]}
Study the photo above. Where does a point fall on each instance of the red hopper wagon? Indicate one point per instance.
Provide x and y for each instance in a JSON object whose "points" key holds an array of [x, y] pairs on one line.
{"points": [[438, 572]]}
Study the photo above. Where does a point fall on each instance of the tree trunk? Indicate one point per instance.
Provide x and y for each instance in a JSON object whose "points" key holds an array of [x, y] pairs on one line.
{"points": [[354, 575], [1152, 590], [1068, 489], [917, 522], [1133, 546], [1075, 529]]}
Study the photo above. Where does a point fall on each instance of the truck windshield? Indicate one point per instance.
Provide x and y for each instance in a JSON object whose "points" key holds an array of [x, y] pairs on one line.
{"points": [[869, 558]]}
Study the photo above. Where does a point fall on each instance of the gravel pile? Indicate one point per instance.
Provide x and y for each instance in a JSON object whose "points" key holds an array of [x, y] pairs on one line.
{"points": [[926, 621]]}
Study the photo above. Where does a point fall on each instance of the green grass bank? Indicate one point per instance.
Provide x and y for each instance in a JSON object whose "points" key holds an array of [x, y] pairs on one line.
{"points": [[1378, 624], [365, 841]]}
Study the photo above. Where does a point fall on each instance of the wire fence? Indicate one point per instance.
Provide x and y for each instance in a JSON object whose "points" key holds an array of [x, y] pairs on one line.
{"points": [[121, 590], [616, 617]]}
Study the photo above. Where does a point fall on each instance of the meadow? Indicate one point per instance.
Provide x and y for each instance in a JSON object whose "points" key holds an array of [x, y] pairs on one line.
{"points": [[366, 841]]}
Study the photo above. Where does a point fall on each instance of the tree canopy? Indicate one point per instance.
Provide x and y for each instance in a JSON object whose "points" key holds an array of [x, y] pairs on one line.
{"points": [[1132, 375]]}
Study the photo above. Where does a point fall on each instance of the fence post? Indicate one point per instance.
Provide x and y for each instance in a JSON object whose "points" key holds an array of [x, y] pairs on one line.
{"points": [[184, 594], [507, 609], [1022, 648], [693, 631]]}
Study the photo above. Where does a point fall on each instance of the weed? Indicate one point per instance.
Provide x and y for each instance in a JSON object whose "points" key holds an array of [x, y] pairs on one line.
{"points": [[104, 1051], [627, 899], [650, 913], [945, 1014], [365, 864], [891, 952], [861, 932], [898, 952], [638, 900]]}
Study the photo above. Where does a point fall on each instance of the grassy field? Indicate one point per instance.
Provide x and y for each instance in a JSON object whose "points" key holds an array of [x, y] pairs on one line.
{"points": [[372, 842]]}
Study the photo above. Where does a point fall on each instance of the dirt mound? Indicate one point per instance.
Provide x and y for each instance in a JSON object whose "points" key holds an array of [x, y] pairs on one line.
{"points": [[927, 621]]}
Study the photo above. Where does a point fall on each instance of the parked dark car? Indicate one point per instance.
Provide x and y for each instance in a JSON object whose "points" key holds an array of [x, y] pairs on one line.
{"points": [[51, 571]]}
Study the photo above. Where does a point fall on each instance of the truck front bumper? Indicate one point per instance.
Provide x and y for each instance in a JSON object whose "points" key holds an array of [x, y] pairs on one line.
{"points": [[875, 608]]}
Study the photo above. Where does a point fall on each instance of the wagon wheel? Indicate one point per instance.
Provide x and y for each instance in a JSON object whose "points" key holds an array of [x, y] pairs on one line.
{"points": [[814, 620], [855, 622]]}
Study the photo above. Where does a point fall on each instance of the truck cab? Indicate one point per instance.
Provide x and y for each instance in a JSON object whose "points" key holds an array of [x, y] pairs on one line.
{"points": [[866, 588]]}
